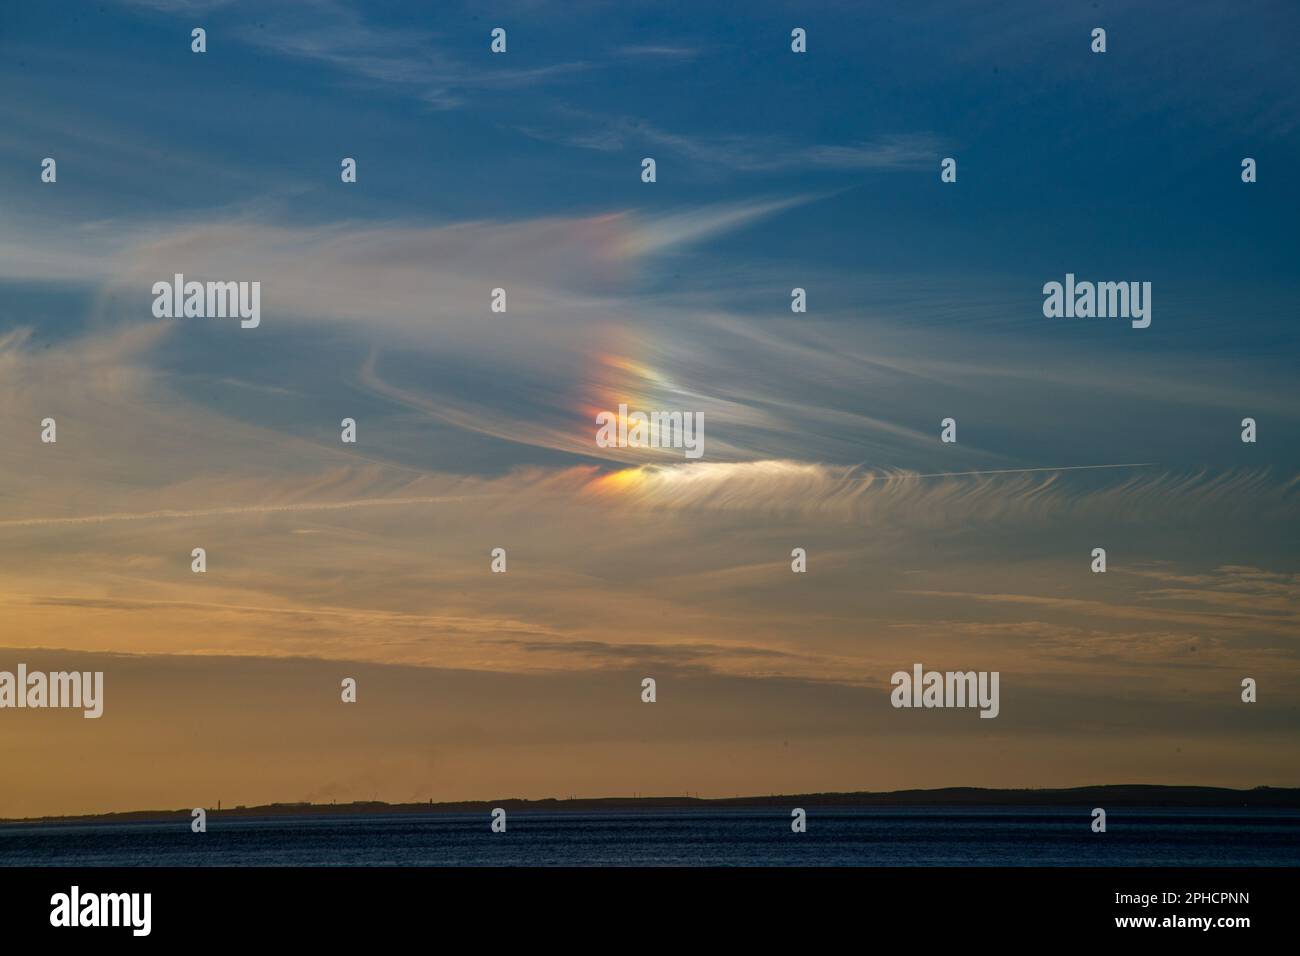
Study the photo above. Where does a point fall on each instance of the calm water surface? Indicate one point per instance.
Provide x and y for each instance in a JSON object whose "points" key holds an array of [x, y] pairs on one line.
{"points": [[985, 836]]}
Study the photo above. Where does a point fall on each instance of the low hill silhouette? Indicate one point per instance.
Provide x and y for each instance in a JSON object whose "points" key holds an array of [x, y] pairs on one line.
{"points": [[1107, 796]]}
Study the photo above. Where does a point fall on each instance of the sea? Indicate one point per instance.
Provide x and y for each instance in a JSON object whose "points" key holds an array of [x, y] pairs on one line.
{"points": [[912, 836]]}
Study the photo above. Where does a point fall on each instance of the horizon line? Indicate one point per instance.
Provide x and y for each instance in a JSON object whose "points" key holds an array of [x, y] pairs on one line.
{"points": [[283, 807]]}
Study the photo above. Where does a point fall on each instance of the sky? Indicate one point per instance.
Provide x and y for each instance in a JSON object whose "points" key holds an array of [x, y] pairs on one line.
{"points": [[476, 429]]}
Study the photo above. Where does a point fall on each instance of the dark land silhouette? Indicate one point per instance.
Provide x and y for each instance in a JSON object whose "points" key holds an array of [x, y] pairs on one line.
{"points": [[1107, 796]]}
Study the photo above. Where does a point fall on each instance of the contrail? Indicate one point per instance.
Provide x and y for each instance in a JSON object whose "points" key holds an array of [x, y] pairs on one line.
{"points": [[239, 510], [1002, 471], [442, 499]]}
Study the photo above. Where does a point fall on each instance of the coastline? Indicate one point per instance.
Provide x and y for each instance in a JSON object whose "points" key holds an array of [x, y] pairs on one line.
{"points": [[1107, 795]]}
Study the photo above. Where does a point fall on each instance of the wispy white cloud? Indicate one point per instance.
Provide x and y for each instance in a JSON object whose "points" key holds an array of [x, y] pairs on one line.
{"points": [[661, 51], [411, 62], [742, 153], [580, 336]]}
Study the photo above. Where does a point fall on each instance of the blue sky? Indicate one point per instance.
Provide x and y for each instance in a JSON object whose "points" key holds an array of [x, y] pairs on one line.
{"points": [[1131, 150], [1114, 166]]}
